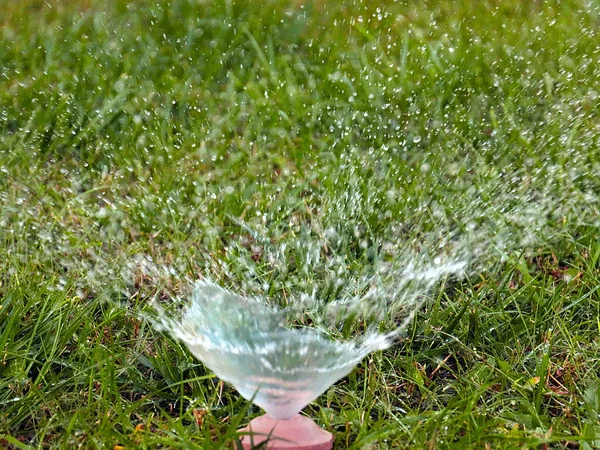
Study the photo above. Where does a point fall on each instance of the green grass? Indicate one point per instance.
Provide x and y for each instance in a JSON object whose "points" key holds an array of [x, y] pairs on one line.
{"points": [[146, 144]]}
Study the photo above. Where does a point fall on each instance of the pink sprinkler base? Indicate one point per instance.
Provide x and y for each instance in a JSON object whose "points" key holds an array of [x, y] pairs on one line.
{"points": [[297, 433]]}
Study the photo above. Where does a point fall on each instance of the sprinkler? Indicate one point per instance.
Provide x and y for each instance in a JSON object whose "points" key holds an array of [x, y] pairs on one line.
{"points": [[297, 433]]}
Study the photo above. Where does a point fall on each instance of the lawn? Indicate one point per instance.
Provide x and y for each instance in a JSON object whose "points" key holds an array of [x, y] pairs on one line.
{"points": [[282, 147]]}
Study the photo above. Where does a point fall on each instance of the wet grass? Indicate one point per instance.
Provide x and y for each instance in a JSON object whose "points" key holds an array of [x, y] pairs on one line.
{"points": [[143, 144]]}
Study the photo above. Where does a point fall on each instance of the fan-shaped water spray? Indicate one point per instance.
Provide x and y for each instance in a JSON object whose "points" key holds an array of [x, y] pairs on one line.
{"points": [[280, 365], [246, 343]]}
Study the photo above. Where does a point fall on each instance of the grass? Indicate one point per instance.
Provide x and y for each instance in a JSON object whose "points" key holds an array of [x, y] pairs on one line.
{"points": [[143, 144]]}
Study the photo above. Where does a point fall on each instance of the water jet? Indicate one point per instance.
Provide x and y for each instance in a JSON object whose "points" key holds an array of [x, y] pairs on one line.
{"points": [[280, 369]]}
